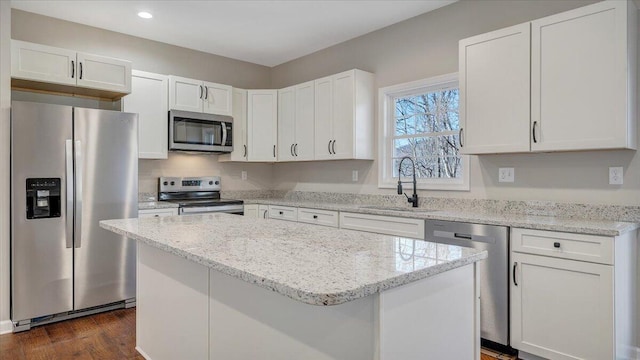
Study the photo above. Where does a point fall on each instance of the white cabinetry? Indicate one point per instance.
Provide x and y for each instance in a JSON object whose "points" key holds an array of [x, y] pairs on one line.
{"points": [[494, 91], [200, 96], [296, 122], [262, 125], [51, 65], [582, 65], [251, 210], [318, 217], [390, 225], [283, 213], [569, 298], [157, 212], [149, 100], [240, 146], [344, 116]]}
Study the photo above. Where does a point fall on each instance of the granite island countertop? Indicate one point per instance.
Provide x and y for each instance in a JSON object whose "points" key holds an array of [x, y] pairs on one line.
{"points": [[537, 222], [313, 264]]}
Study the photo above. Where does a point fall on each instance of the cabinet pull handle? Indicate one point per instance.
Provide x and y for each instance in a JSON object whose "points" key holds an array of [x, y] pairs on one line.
{"points": [[295, 149], [329, 146], [73, 69], [80, 71], [315, 216], [556, 245], [200, 87], [535, 124], [206, 92], [245, 151], [460, 138], [274, 151], [264, 215], [333, 147], [291, 150], [515, 266], [280, 212]]}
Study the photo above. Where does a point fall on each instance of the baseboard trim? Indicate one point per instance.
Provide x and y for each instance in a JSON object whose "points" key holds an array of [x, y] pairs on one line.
{"points": [[6, 326], [142, 353]]}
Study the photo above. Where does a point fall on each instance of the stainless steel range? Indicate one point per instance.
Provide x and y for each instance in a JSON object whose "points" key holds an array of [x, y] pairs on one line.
{"points": [[197, 195]]}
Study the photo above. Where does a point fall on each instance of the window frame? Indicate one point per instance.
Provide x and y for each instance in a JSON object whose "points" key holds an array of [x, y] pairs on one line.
{"points": [[386, 110]]}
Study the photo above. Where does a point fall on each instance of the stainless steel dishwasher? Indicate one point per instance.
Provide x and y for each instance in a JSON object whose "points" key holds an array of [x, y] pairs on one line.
{"points": [[494, 273]]}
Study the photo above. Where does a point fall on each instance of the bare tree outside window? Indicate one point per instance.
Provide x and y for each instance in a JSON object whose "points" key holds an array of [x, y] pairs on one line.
{"points": [[426, 129]]}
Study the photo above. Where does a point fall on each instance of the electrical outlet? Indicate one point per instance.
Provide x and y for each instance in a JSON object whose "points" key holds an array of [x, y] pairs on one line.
{"points": [[506, 175], [354, 175], [616, 175], [244, 175]]}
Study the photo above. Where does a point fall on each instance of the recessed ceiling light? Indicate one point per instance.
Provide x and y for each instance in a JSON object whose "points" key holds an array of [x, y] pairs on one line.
{"points": [[145, 15]]}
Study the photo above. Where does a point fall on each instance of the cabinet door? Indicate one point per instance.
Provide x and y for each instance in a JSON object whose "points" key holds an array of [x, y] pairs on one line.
{"points": [[304, 142], [251, 211], [185, 94], [579, 78], [343, 115], [286, 123], [157, 213], [239, 105], [323, 118], [494, 91], [562, 309], [104, 73], [149, 98], [218, 99], [262, 123], [42, 63]]}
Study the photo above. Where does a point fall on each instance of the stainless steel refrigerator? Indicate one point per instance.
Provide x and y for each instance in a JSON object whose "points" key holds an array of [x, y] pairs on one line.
{"points": [[70, 168]]}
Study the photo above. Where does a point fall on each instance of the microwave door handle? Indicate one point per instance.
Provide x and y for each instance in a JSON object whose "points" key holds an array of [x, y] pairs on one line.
{"points": [[224, 134]]}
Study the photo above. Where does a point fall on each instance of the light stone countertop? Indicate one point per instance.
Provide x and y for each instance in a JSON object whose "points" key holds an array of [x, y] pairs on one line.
{"points": [[313, 264], [151, 205], [537, 222]]}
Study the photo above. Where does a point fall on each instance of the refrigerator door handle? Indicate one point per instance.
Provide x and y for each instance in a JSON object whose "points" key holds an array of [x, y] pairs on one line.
{"points": [[78, 209], [68, 152]]}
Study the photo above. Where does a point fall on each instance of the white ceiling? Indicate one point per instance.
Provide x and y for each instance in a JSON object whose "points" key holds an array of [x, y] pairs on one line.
{"points": [[263, 32]]}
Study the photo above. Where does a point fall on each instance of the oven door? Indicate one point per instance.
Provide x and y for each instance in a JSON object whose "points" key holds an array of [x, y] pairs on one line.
{"points": [[200, 132], [229, 209]]}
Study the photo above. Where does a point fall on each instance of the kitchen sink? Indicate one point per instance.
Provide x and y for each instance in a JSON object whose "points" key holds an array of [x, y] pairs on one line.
{"points": [[395, 208]]}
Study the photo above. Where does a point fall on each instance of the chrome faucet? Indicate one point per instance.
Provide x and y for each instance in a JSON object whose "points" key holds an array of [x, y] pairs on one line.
{"points": [[414, 198]]}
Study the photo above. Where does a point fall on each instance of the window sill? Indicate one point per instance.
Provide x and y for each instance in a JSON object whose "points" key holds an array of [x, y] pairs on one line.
{"points": [[426, 186]]}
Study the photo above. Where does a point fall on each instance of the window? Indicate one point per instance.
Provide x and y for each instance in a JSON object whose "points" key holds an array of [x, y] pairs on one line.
{"points": [[420, 120]]}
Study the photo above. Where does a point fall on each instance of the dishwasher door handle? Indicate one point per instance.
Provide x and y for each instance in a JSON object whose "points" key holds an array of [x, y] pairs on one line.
{"points": [[463, 236]]}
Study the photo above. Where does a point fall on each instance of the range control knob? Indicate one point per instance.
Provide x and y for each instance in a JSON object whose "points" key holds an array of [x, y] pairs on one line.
{"points": [[165, 183], [217, 182], [173, 183], [210, 182]]}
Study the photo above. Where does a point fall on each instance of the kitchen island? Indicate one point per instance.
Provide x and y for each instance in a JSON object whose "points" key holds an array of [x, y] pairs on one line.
{"points": [[219, 286]]}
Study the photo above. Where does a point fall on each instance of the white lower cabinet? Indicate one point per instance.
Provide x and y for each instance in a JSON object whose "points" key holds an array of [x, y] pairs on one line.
{"points": [[283, 213], [563, 308], [318, 217], [390, 225], [256, 211], [157, 212]]}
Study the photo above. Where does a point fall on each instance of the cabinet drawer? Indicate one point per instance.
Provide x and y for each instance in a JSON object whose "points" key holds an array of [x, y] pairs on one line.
{"points": [[592, 248], [318, 217], [157, 212], [390, 225], [283, 213]]}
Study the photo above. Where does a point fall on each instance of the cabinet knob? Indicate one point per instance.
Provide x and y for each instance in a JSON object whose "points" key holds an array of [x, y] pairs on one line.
{"points": [[280, 212], [556, 245], [315, 216], [156, 215]]}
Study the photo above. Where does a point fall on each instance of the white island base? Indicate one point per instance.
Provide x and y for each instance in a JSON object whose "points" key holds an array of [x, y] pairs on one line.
{"points": [[186, 310]]}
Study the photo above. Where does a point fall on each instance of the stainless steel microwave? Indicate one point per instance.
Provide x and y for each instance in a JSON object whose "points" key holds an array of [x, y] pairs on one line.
{"points": [[191, 131]]}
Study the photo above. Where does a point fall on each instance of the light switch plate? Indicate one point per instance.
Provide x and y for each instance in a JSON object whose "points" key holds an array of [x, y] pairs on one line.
{"points": [[244, 175], [616, 175], [506, 175]]}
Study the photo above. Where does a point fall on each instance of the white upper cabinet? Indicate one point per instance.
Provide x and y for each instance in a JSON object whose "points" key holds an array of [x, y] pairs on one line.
{"points": [[149, 99], [495, 91], [344, 116], [200, 96], [582, 66], [42, 64], [240, 146], [262, 125], [583, 78], [296, 122]]}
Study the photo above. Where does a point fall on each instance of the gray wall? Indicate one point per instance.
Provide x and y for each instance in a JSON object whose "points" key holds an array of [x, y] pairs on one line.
{"points": [[425, 46]]}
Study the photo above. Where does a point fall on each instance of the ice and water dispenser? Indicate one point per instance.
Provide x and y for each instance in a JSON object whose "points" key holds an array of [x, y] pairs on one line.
{"points": [[43, 198]]}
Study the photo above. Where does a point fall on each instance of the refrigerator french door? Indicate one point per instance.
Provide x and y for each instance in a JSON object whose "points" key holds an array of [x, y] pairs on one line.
{"points": [[71, 168]]}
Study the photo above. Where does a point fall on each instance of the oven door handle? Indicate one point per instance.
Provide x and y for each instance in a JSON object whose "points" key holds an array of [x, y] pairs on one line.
{"points": [[464, 236], [211, 209]]}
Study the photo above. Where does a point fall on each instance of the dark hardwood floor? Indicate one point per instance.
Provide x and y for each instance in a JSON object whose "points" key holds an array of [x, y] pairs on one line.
{"points": [[110, 335]]}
